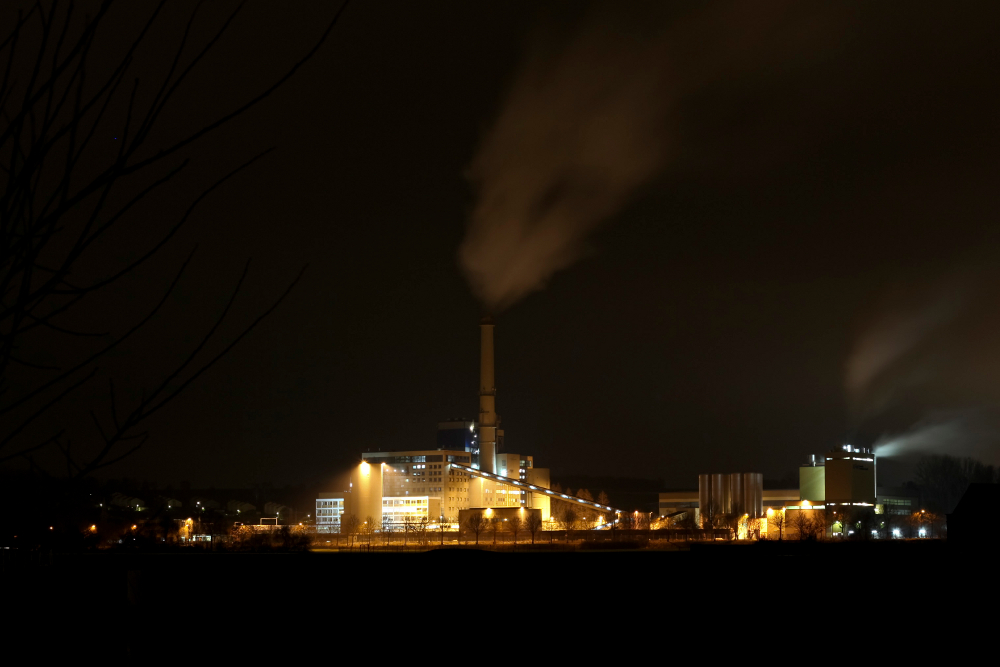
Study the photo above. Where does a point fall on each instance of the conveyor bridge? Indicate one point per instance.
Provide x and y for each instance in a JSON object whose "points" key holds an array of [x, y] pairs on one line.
{"points": [[534, 488]]}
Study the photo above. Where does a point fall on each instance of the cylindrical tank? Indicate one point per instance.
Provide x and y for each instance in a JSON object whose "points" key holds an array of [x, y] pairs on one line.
{"points": [[721, 499], [726, 506], [736, 490], [717, 481], [704, 496], [753, 493], [758, 497]]}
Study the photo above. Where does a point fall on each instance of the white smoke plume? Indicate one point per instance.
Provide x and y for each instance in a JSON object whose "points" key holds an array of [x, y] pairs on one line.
{"points": [[581, 130], [577, 135], [972, 433], [891, 354]]}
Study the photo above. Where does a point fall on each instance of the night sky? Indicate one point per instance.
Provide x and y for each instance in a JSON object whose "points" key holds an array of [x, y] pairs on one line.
{"points": [[810, 260]]}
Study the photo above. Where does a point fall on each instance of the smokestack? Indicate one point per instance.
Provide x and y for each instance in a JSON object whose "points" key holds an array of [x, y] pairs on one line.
{"points": [[487, 398]]}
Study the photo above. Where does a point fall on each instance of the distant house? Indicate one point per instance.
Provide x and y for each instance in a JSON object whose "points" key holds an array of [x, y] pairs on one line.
{"points": [[971, 524], [239, 506], [203, 504], [132, 503], [163, 502]]}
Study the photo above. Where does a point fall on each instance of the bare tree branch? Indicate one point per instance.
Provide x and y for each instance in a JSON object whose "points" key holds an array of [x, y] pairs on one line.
{"points": [[53, 211]]}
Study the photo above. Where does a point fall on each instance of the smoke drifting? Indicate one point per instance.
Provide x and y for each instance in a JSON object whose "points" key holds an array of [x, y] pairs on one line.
{"points": [[932, 353], [578, 133], [972, 433], [583, 128], [892, 353]]}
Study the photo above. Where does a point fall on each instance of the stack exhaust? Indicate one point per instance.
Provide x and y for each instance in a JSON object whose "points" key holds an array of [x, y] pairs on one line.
{"points": [[487, 398]]}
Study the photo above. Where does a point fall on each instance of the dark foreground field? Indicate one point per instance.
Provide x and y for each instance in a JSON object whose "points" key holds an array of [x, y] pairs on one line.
{"points": [[794, 577]]}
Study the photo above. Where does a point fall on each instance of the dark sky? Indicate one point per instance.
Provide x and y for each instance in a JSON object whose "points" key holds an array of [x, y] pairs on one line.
{"points": [[833, 173]]}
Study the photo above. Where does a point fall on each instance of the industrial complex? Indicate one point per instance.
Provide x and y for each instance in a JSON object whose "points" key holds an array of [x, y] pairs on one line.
{"points": [[841, 482], [469, 472]]}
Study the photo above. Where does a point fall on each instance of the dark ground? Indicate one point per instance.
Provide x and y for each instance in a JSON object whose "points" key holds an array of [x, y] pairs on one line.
{"points": [[928, 581]]}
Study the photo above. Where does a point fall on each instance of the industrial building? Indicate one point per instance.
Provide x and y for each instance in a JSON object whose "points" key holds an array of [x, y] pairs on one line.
{"points": [[842, 478], [737, 493], [469, 470], [845, 476]]}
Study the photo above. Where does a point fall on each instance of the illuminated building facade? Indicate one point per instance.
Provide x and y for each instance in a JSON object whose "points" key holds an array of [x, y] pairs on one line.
{"points": [[400, 511], [850, 476], [444, 478], [845, 476], [329, 508], [812, 480], [428, 474]]}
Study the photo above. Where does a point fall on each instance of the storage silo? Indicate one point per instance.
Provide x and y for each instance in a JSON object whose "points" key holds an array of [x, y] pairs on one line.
{"points": [[753, 493], [737, 491], [721, 501], [704, 494]]}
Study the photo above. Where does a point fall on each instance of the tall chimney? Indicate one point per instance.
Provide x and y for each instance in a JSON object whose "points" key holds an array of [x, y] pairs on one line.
{"points": [[487, 399]]}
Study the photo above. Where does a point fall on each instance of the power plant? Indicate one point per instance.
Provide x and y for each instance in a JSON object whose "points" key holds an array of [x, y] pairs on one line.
{"points": [[470, 471], [463, 475]]}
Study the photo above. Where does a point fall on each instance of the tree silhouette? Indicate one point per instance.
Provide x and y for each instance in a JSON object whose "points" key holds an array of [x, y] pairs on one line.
{"points": [[64, 195], [387, 528], [496, 523], [476, 523], [802, 524], [534, 524], [349, 525], [516, 526], [844, 516], [567, 518], [368, 528], [776, 518], [409, 525]]}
